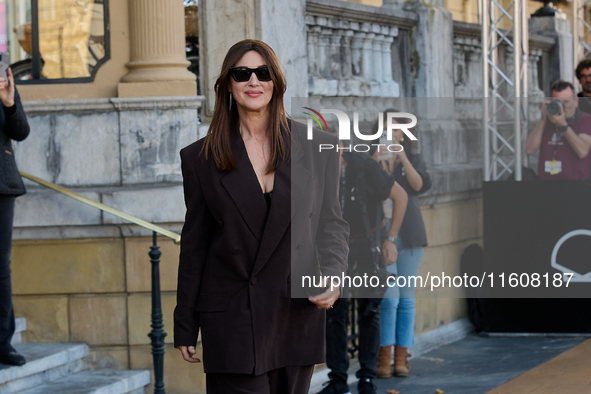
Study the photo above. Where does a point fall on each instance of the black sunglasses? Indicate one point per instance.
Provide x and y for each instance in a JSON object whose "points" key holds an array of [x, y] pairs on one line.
{"points": [[243, 74]]}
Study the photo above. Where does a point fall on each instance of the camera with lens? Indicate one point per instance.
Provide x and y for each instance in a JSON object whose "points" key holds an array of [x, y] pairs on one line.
{"points": [[556, 107]]}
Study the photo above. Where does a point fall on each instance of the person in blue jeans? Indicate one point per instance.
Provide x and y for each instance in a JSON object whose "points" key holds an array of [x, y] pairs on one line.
{"points": [[13, 126], [398, 305]]}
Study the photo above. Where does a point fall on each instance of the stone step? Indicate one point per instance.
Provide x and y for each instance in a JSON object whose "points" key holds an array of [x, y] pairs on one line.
{"points": [[96, 382], [21, 326], [45, 362]]}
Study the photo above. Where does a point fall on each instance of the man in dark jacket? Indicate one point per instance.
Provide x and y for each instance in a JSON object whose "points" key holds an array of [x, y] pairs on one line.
{"points": [[377, 186], [583, 72], [13, 126]]}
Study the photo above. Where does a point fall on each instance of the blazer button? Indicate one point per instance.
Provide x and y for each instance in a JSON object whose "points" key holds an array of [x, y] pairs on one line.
{"points": [[235, 251], [254, 281]]}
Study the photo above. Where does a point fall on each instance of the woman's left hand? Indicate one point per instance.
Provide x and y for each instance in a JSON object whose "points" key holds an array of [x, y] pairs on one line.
{"points": [[7, 91], [327, 299]]}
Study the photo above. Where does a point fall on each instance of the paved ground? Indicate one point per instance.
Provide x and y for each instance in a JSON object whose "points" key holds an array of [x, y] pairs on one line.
{"points": [[477, 365], [567, 373]]}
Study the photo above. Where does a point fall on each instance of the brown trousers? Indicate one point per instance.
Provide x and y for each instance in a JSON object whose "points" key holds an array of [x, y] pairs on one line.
{"points": [[286, 380]]}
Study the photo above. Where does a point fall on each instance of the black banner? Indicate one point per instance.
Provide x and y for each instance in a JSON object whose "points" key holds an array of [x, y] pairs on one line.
{"points": [[533, 229]]}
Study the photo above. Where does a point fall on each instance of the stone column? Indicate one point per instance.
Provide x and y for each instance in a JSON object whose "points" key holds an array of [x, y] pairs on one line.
{"points": [[474, 69], [378, 70], [347, 64], [459, 55], [347, 55], [433, 39], [533, 78], [324, 52], [367, 55], [336, 71], [312, 41], [282, 25], [387, 58], [432, 50], [316, 57], [158, 66], [356, 52]]}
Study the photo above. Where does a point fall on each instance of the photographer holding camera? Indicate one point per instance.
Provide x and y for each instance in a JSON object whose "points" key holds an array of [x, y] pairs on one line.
{"points": [[563, 136]]}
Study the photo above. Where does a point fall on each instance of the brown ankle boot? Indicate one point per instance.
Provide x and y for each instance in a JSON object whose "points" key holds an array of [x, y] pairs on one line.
{"points": [[385, 362], [401, 364]]}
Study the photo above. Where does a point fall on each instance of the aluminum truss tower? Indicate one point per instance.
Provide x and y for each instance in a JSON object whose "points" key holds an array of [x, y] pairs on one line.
{"points": [[504, 26]]}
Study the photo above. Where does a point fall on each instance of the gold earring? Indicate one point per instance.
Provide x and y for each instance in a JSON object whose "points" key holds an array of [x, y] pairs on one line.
{"points": [[401, 138], [230, 106]]}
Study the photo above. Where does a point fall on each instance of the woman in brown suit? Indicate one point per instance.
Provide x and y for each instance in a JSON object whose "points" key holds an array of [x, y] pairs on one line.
{"points": [[260, 199]]}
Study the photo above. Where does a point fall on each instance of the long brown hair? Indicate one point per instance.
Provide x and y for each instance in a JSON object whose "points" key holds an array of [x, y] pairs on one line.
{"points": [[218, 141]]}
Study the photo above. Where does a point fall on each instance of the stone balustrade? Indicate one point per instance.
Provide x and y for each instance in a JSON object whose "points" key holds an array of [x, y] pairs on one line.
{"points": [[468, 62], [363, 57], [350, 58], [467, 67], [533, 82]]}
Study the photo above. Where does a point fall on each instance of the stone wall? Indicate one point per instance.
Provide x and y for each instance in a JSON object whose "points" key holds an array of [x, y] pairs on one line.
{"points": [[80, 275], [122, 152], [451, 227]]}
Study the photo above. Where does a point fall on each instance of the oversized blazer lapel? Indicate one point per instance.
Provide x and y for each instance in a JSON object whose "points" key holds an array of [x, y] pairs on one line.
{"points": [[299, 174], [243, 186], [290, 183]]}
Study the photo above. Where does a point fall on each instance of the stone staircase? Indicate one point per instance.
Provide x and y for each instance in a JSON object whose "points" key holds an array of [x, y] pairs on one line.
{"points": [[61, 368]]}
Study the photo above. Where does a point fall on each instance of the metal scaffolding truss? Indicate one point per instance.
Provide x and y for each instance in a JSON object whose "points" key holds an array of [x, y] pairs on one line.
{"points": [[504, 29], [581, 31]]}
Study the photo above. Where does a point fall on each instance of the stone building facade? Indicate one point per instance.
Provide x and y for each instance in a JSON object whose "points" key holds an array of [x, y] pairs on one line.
{"points": [[82, 275]]}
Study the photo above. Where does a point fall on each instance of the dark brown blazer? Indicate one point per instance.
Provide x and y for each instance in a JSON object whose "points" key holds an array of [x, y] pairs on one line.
{"points": [[234, 280]]}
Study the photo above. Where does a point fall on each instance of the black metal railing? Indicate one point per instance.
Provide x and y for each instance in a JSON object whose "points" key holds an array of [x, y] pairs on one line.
{"points": [[157, 333], [353, 337]]}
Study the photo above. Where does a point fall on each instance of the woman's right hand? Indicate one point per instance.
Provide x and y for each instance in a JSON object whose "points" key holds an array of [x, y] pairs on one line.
{"points": [[326, 299], [188, 353]]}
